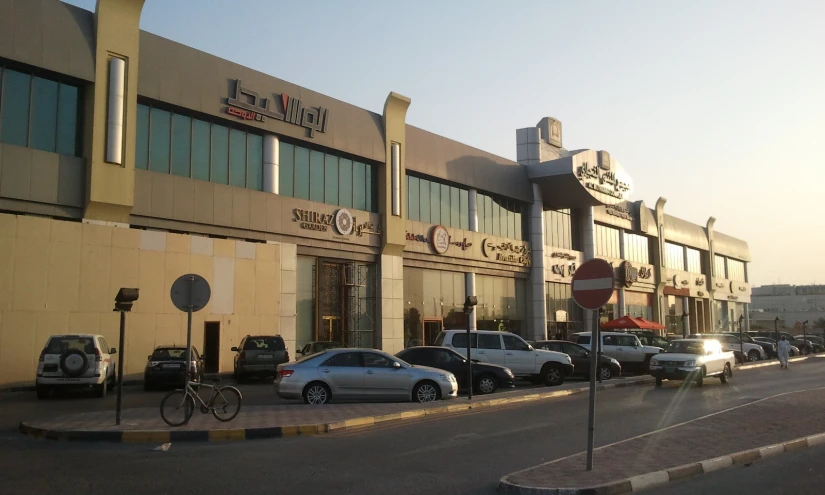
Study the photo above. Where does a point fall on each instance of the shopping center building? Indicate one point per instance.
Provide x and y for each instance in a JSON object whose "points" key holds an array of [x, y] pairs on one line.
{"points": [[127, 160]]}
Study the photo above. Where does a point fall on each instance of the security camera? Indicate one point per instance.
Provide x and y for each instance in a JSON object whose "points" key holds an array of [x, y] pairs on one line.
{"points": [[125, 298]]}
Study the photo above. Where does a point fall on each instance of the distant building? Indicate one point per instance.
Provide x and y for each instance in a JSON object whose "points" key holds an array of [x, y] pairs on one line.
{"points": [[791, 303]]}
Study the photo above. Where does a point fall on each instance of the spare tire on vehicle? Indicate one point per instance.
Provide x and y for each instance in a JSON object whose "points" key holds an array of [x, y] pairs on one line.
{"points": [[74, 363]]}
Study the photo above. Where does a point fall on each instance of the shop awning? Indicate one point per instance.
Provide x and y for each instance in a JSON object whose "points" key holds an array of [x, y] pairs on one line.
{"points": [[632, 323]]}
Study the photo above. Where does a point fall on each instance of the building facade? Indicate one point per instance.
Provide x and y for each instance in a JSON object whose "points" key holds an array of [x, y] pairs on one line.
{"points": [[127, 160], [793, 305]]}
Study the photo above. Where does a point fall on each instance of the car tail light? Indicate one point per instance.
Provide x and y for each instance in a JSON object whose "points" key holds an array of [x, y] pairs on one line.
{"points": [[287, 355], [285, 373], [42, 355], [242, 356], [97, 355]]}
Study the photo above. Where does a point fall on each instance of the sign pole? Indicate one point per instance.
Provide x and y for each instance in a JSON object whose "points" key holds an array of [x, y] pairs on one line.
{"points": [[189, 328], [120, 368], [595, 351]]}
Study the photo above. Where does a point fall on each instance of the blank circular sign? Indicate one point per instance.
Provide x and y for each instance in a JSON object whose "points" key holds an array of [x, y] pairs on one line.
{"points": [[190, 290]]}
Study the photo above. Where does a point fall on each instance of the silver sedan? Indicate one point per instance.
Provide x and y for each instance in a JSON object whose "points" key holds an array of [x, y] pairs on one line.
{"points": [[365, 374]]}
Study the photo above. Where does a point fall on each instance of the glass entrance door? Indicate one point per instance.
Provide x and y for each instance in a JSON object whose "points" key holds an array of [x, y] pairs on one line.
{"points": [[330, 330], [431, 330]]}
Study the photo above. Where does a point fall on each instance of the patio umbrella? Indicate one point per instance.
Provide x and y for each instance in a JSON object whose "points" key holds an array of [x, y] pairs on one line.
{"points": [[632, 323]]}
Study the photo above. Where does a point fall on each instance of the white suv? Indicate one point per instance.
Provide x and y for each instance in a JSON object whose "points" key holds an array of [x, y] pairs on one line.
{"points": [[510, 350], [626, 348], [82, 360]]}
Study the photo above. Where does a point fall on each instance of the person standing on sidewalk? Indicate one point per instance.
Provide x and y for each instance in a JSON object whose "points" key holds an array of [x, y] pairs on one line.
{"points": [[783, 351]]}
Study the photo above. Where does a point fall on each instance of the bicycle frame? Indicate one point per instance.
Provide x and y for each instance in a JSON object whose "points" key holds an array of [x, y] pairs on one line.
{"points": [[195, 395]]}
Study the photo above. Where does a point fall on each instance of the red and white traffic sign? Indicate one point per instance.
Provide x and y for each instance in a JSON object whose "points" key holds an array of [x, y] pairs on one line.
{"points": [[593, 284]]}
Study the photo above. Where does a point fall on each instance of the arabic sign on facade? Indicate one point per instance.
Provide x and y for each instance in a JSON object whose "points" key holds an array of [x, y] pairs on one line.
{"points": [[342, 220], [439, 240], [248, 105], [506, 252]]}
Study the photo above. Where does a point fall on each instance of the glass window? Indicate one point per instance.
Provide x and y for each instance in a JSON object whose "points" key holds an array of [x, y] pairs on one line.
{"points": [[181, 144], [518, 233], [286, 169], [254, 162], [607, 241], [67, 120], [694, 261], [460, 340], [455, 208], [374, 360], [435, 202], [331, 179], [424, 200], [505, 219], [43, 132], [445, 205], [513, 343], [220, 153], [345, 185], [496, 216], [412, 198], [237, 158], [719, 266], [464, 209], [159, 140], [736, 270], [359, 181], [489, 341], [201, 149], [488, 214], [316, 176], [14, 108], [301, 173], [674, 256], [344, 359], [142, 138], [575, 350], [369, 185], [636, 248], [511, 220]]}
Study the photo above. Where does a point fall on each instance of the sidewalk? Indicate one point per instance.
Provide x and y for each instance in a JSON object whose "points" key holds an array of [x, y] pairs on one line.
{"points": [[650, 459], [295, 418]]}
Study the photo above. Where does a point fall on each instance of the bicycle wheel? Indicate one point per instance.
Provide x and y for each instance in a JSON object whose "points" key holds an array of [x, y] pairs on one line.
{"points": [[226, 404], [176, 408]]}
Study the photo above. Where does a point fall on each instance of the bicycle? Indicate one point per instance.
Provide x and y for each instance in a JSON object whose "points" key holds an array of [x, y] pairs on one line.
{"points": [[220, 402]]}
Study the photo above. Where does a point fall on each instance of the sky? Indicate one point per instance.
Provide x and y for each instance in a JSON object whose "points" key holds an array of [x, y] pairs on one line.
{"points": [[717, 106]]}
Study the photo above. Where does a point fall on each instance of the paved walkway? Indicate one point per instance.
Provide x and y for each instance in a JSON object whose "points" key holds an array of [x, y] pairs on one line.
{"points": [[754, 425]]}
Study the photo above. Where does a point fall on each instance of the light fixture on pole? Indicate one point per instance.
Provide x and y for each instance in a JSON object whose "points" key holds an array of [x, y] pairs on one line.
{"points": [[469, 307], [741, 340], [124, 300]]}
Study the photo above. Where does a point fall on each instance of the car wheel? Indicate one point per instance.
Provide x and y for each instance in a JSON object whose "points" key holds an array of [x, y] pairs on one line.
{"points": [[486, 384], [605, 373], [317, 393], [113, 381], [726, 375], [101, 389], [425, 392], [753, 356], [552, 375], [658, 382], [42, 391], [700, 380]]}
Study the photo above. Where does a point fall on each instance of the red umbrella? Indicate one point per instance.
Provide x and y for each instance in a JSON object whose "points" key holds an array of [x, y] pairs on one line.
{"points": [[630, 322]]}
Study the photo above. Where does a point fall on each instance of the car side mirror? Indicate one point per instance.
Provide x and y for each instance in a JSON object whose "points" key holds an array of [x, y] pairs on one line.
{"points": [[234, 349], [149, 357], [113, 350], [396, 365], [530, 348]]}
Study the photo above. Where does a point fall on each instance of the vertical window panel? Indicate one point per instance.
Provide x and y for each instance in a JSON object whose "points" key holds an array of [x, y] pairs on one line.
{"points": [[181, 145], [345, 184], [488, 214], [464, 209], [237, 158], [43, 131], [424, 200], [518, 233], [160, 123], [496, 218], [255, 162], [142, 138], [359, 182], [413, 209], [67, 120], [445, 204], [201, 149], [220, 153], [369, 187], [301, 173], [331, 179], [316, 176], [14, 108], [454, 207], [511, 220], [435, 203]]}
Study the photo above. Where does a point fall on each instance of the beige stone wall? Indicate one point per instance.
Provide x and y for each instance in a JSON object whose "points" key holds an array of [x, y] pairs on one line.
{"points": [[61, 277]]}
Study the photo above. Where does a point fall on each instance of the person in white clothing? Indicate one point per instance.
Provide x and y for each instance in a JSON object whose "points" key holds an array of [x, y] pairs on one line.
{"points": [[783, 352]]}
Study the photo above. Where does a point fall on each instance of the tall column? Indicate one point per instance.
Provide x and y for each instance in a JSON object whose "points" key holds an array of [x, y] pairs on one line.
{"points": [[271, 164], [473, 199], [538, 288], [470, 290], [711, 285], [688, 312], [587, 228], [622, 304]]}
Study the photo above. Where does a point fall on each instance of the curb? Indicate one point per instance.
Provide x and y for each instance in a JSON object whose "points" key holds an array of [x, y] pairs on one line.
{"points": [[660, 478], [772, 362], [126, 383], [163, 436]]}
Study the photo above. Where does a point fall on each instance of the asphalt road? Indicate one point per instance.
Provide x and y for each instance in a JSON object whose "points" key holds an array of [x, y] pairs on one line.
{"points": [[464, 454], [799, 473]]}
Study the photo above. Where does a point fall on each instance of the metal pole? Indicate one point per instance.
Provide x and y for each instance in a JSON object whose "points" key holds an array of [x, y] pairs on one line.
{"points": [[469, 363], [741, 341], [595, 349], [189, 328], [120, 368], [598, 344], [776, 329]]}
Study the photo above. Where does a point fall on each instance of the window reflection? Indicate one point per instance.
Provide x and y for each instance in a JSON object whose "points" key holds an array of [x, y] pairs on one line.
{"points": [[607, 241], [674, 256]]}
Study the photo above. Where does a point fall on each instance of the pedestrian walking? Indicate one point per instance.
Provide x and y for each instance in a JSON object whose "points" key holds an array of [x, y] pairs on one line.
{"points": [[783, 351]]}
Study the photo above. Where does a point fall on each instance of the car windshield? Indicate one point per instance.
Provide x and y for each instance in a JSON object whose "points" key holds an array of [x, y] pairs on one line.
{"points": [[685, 347], [263, 344], [59, 345], [169, 354]]}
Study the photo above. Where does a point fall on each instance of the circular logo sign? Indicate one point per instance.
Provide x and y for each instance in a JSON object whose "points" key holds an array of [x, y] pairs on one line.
{"points": [[440, 239], [343, 221]]}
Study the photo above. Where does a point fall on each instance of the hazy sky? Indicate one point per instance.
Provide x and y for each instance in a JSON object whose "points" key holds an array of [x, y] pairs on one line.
{"points": [[718, 106]]}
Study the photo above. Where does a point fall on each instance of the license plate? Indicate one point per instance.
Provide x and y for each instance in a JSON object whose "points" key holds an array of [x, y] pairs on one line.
{"points": [[266, 356], [172, 366], [68, 379], [670, 370]]}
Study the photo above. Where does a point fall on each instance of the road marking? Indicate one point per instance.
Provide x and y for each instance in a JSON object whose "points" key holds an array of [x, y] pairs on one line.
{"points": [[668, 428]]}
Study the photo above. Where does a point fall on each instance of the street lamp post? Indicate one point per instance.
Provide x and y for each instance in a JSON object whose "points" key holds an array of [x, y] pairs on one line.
{"points": [[805, 332], [776, 328], [741, 340]]}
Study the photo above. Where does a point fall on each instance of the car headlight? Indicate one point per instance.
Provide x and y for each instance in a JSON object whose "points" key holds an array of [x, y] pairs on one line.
{"points": [[447, 378], [509, 372], [616, 362], [653, 362], [690, 363]]}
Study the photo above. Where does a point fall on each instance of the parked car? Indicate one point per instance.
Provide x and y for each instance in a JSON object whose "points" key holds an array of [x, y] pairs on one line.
{"points": [[805, 346], [259, 356], [487, 378], [651, 339], [369, 374], [694, 360], [793, 352], [768, 348], [626, 348], [167, 366], [76, 361], [313, 347], [510, 350], [817, 343], [730, 342], [580, 356]]}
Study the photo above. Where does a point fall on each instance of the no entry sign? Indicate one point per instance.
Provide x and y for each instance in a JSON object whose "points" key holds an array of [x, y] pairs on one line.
{"points": [[593, 284]]}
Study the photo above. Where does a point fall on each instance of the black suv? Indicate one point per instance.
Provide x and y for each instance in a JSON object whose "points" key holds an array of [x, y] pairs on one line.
{"points": [[259, 355]]}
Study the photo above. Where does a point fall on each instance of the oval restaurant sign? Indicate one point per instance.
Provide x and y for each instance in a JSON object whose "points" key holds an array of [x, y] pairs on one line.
{"points": [[440, 239], [506, 252]]}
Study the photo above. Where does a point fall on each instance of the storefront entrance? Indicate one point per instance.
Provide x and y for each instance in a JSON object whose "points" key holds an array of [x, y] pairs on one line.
{"points": [[343, 303], [330, 330], [431, 330]]}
